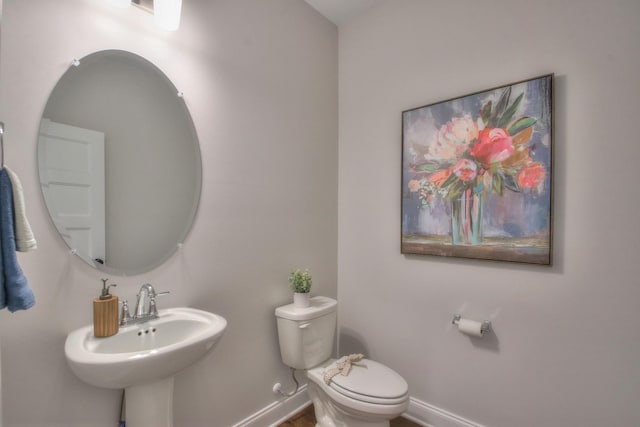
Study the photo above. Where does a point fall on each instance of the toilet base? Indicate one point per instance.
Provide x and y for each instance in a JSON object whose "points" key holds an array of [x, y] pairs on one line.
{"points": [[329, 414]]}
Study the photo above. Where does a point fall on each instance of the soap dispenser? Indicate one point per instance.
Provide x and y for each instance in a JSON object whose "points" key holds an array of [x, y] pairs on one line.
{"points": [[105, 312]]}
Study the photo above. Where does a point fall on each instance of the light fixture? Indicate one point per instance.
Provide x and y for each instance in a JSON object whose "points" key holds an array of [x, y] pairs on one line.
{"points": [[167, 14], [120, 3]]}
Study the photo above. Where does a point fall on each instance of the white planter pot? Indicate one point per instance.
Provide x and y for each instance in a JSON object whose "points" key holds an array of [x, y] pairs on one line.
{"points": [[301, 300]]}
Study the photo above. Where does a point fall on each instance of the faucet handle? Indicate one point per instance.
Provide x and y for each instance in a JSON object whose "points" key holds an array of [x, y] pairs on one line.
{"points": [[125, 316], [153, 309]]}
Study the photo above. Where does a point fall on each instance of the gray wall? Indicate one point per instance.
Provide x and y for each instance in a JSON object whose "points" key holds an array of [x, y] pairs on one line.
{"points": [[260, 79], [567, 343]]}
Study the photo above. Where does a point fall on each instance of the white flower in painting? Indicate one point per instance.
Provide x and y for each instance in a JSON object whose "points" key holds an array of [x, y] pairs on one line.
{"points": [[453, 139]]}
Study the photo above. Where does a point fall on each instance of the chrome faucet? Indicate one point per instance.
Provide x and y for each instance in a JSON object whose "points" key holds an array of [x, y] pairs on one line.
{"points": [[145, 292], [145, 306]]}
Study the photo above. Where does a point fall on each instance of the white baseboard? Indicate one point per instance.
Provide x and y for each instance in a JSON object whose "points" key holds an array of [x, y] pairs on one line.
{"points": [[279, 411], [431, 416], [419, 412]]}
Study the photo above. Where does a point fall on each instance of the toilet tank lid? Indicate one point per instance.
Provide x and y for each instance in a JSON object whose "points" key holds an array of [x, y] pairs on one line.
{"points": [[319, 306]]}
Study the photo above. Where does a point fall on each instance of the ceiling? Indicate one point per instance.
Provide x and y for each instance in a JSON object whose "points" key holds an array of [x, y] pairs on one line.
{"points": [[340, 11]]}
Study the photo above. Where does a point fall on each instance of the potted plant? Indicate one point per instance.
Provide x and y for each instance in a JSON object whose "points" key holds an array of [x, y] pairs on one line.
{"points": [[300, 282]]}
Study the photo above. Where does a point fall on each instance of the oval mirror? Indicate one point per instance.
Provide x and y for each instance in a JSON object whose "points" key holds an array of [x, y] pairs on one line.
{"points": [[119, 162]]}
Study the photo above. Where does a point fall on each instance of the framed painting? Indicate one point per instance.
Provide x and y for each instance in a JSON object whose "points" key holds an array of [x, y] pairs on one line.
{"points": [[477, 175]]}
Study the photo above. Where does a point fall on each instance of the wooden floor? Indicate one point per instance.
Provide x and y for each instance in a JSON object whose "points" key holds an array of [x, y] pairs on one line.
{"points": [[306, 418]]}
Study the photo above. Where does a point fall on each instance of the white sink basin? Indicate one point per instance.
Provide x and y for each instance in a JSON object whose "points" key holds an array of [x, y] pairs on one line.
{"points": [[144, 353]]}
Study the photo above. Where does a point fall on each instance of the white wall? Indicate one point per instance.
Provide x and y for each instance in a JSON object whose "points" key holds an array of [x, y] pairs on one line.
{"points": [[567, 339], [260, 79]]}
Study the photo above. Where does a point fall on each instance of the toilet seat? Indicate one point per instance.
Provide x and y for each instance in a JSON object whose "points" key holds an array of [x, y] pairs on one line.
{"points": [[369, 382]]}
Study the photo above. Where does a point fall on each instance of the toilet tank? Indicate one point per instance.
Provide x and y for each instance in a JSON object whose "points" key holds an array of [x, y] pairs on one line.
{"points": [[306, 335]]}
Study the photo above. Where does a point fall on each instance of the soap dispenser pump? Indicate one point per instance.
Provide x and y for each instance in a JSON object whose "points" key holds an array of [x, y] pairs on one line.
{"points": [[105, 312]]}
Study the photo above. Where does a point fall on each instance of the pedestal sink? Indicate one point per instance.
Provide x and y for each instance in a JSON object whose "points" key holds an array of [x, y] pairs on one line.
{"points": [[143, 359]]}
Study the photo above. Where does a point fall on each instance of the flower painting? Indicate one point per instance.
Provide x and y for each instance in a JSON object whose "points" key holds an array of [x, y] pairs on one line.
{"points": [[476, 175]]}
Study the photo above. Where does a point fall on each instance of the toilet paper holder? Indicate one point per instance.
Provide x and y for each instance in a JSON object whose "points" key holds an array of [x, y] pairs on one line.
{"points": [[486, 324]]}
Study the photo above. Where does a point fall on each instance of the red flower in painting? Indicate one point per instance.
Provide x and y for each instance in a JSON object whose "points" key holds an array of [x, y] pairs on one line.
{"points": [[493, 145], [531, 175]]}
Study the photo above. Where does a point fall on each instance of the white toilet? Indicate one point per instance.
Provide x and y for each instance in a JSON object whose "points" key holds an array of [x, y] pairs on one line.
{"points": [[369, 396]]}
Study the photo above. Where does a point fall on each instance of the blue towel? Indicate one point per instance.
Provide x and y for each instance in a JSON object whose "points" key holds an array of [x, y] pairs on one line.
{"points": [[16, 294]]}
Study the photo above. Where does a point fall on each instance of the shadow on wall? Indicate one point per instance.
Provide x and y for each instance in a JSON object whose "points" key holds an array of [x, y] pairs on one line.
{"points": [[488, 342], [349, 342]]}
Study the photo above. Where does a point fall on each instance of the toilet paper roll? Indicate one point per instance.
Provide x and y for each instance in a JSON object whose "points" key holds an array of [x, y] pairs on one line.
{"points": [[470, 327]]}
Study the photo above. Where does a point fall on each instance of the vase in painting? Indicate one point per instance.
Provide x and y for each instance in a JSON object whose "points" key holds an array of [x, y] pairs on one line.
{"points": [[466, 218]]}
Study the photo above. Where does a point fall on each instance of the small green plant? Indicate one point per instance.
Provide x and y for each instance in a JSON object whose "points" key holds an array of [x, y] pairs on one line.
{"points": [[300, 281]]}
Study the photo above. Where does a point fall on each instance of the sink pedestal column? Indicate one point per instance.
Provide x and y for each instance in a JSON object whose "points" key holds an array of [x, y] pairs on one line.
{"points": [[150, 405]]}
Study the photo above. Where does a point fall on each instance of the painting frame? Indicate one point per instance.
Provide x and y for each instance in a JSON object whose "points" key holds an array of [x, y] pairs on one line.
{"points": [[477, 175]]}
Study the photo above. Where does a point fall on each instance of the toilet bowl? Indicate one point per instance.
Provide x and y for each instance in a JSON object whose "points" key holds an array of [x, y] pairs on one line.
{"points": [[369, 396]]}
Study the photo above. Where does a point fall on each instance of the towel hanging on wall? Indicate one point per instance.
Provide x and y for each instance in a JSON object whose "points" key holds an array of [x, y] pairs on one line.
{"points": [[16, 293], [25, 241], [14, 288]]}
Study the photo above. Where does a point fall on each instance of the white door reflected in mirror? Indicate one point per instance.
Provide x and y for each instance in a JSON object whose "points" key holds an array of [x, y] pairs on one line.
{"points": [[72, 182]]}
